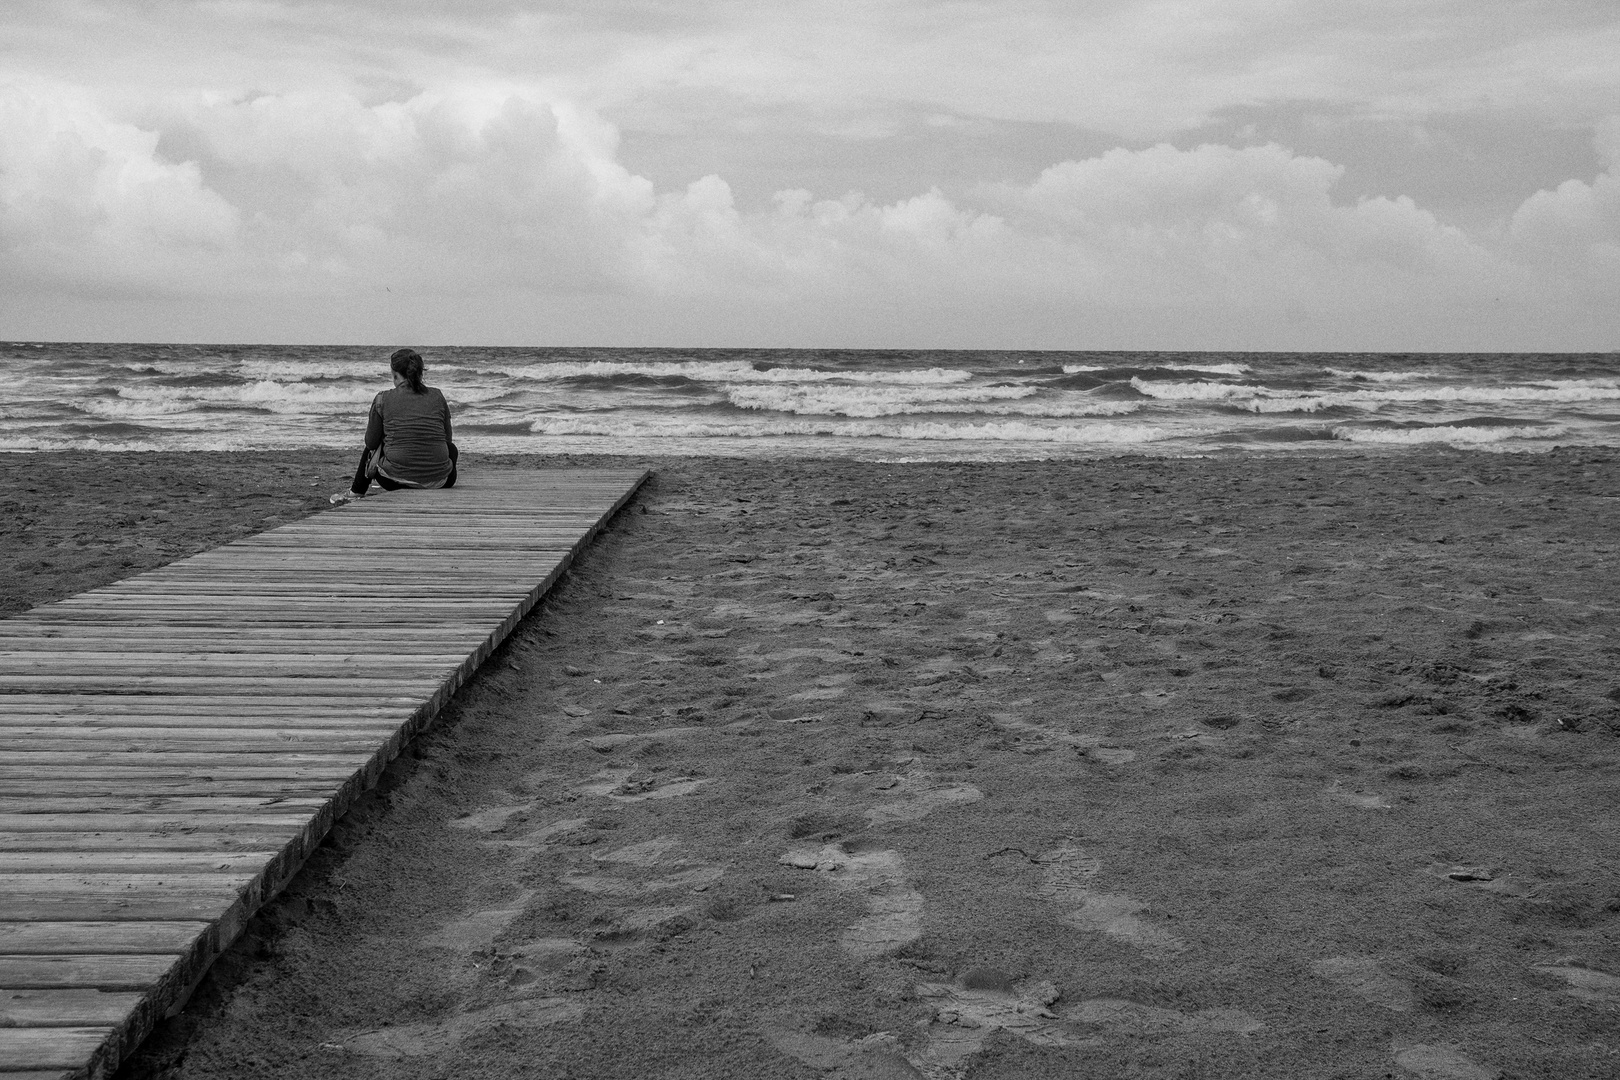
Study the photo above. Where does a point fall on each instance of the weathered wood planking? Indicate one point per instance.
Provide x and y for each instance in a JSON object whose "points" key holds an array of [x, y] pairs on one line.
{"points": [[173, 746]]}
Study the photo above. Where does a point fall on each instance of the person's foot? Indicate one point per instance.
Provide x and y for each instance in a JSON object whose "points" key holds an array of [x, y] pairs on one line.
{"points": [[345, 496]]}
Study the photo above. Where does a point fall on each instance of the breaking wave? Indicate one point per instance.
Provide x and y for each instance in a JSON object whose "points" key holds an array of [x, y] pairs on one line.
{"points": [[1379, 376], [1261, 399], [727, 371], [1000, 431], [1474, 436], [1147, 365], [961, 405], [875, 401]]}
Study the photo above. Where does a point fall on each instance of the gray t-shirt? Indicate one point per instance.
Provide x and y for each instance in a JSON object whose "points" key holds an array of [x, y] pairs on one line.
{"points": [[414, 433]]}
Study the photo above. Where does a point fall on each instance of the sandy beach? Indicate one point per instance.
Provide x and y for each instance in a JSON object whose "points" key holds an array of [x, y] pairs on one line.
{"points": [[1242, 767]]}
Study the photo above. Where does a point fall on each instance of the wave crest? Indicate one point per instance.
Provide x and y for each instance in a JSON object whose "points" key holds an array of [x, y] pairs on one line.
{"points": [[877, 401], [726, 371]]}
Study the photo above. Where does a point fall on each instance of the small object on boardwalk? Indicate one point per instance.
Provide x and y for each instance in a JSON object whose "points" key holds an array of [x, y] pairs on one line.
{"points": [[173, 746]]}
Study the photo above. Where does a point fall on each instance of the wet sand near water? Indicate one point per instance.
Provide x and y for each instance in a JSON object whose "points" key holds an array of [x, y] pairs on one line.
{"points": [[1270, 767]]}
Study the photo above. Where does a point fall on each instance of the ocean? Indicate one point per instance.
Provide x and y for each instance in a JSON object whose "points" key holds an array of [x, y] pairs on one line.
{"points": [[870, 405]]}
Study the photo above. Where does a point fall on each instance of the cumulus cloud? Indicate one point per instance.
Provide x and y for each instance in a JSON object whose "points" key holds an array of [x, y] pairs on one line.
{"points": [[84, 200], [292, 200], [1575, 228]]}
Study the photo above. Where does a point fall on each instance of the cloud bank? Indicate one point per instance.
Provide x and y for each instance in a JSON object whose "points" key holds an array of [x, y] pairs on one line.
{"points": [[493, 213]]}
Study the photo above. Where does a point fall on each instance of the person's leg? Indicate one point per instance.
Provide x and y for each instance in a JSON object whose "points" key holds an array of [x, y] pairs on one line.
{"points": [[387, 484], [361, 480], [450, 481]]}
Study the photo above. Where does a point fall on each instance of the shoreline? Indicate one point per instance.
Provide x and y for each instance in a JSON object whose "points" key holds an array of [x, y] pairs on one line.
{"points": [[1281, 766]]}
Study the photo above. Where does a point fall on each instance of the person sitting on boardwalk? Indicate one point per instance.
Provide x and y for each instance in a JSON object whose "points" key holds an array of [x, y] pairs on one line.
{"points": [[408, 441]]}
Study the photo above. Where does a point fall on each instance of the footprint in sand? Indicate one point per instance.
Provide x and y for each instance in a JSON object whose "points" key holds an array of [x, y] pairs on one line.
{"points": [[492, 819], [430, 1038], [530, 961], [876, 1057], [818, 693], [477, 930], [1115, 1013], [615, 878], [1068, 877], [1194, 737], [966, 1015], [497, 819], [1483, 878], [616, 784], [919, 798], [647, 853], [962, 1019], [618, 878], [1361, 800], [1362, 976], [541, 837], [1588, 984], [1089, 745], [606, 744], [1438, 1063], [895, 908]]}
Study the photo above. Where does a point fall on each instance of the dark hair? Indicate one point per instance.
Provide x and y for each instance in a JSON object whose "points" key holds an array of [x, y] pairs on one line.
{"points": [[408, 362]]}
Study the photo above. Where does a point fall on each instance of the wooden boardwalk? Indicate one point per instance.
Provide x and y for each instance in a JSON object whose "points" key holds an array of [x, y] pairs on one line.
{"points": [[172, 747]]}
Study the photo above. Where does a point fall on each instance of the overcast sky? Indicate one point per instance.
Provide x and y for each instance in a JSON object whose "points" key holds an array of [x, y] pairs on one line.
{"points": [[1185, 174]]}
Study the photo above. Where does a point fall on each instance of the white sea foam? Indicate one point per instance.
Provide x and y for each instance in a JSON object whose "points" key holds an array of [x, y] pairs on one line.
{"points": [[170, 441], [1193, 391], [1146, 362], [1261, 399], [1380, 376], [1006, 431], [728, 371], [1014, 431], [290, 369], [1454, 436], [122, 408], [875, 401], [170, 367], [281, 397], [268, 397], [265, 392]]}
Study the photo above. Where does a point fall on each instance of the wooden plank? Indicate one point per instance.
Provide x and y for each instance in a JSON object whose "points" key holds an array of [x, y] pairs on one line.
{"points": [[65, 1008], [202, 806], [91, 972], [137, 650], [172, 746], [198, 839], [153, 768], [292, 704], [184, 740], [199, 723], [51, 1047], [122, 758], [252, 640], [367, 687], [202, 723], [117, 884], [80, 938], [159, 787], [237, 863], [72, 666], [220, 824]]}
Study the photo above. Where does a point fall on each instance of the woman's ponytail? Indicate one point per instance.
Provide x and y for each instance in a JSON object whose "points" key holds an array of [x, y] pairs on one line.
{"points": [[408, 363]]}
